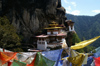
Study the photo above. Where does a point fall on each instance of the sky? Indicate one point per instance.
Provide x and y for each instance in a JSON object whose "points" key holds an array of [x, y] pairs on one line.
{"points": [[82, 7]]}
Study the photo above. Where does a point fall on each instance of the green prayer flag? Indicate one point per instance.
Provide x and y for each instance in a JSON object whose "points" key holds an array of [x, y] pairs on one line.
{"points": [[18, 63], [49, 62], [42, 61], [39, 60]]}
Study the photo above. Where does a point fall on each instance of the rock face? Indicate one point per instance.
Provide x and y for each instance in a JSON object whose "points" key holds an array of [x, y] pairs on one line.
{"points": [[31, 16]]}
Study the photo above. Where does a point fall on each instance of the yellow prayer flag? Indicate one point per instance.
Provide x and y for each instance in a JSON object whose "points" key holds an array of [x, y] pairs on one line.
{"points": [[84, 43]]}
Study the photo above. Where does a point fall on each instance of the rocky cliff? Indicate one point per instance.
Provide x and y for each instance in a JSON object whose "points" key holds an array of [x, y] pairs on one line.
{"points": [[31, 16]]}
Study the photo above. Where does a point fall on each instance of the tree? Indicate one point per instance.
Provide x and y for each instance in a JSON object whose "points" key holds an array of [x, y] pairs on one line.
{"points": [[72, 38], [8, 37], [75, 39]]}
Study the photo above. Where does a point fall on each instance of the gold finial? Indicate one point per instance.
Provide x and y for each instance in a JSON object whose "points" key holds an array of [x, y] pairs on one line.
{"points": [[70, 20], [53, 22]]}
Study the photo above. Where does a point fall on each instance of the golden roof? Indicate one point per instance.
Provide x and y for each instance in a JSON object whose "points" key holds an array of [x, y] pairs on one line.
{"points": [[53, 24], [53, 27]]}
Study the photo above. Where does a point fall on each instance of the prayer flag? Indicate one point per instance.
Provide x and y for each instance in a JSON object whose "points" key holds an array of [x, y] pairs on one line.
{"points": [[42, 61], [84, 43], [97, 61], [52, 55], [7, 56], [18, 63]]}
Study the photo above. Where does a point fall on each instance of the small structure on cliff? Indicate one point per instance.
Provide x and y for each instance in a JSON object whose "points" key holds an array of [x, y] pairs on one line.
{"points": [[70, 24], [70, 32], [54, 38]]}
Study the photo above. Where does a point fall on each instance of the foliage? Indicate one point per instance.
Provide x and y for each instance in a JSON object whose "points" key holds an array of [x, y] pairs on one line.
{"points": [[8, 37], [72, 38], [75, 38]]}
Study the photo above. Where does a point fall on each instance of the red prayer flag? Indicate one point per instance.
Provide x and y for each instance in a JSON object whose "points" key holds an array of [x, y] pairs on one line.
{"points": [[7, 56], [32, 63], [97, 61], [9, 63]]}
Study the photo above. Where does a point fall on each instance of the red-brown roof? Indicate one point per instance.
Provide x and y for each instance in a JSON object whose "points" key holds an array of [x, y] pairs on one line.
{"points": [[42, 36], [61, 34]]}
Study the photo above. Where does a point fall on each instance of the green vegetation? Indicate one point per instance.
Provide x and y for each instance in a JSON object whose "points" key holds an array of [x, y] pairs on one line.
{"points": [[87, 49], [75, 38], [8, 37], [72, 38]]}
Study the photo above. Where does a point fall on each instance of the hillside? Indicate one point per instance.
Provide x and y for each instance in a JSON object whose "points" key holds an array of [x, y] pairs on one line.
{"points": [[87, 26]]}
